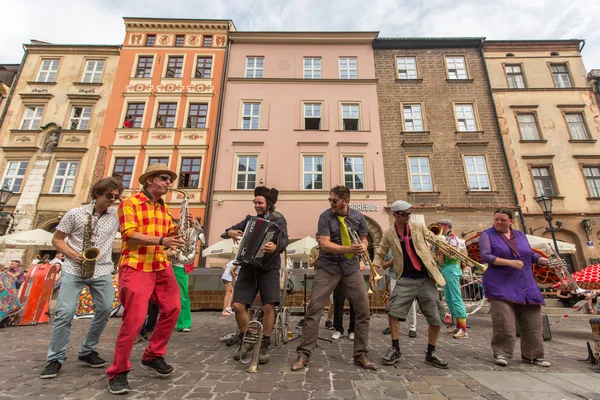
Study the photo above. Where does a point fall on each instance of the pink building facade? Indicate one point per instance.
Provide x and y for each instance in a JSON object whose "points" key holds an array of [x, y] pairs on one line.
{"points": [[300, 114]]}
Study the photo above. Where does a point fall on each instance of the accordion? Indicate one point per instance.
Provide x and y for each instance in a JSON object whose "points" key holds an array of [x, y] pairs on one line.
{"points": [[258, 232]]}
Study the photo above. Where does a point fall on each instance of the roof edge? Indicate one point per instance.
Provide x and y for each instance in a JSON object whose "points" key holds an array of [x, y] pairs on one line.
{"points": [[426, 42]]}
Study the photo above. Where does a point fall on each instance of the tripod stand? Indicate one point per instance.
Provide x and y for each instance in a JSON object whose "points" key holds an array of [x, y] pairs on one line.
{"points": [[301, 323]]}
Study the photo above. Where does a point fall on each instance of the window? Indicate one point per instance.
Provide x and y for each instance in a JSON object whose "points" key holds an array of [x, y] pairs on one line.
{"points": [[528, 127], [14, 175], [207, 41], [354, 173], [246, 172], [456, 67], [407, 67], [312, 116], [64, 177], [592, 179], [93, 71], [477, 173], [144, 67], [312, 68], [150, 39], [413, 119], [350, 117], [576, 126], [136, 112], [251, 116], [420, 174], [48, 71], [348, 68], [197, 115], [165, 117], [203, 67], [542, 179], [124, 170], [514, 76], [158, 160], [313, 173], [560, 74], [465, 118], [179, 40], [190, 172], [80, 118], [254, 67], [174, 67], [32, 117]]}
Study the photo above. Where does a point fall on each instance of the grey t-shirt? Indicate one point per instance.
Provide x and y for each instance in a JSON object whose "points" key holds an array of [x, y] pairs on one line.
{"points": [[329, 225]]}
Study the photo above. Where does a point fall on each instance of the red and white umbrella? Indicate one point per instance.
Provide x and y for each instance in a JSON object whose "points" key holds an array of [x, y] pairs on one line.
{"points": [[587, 279]]}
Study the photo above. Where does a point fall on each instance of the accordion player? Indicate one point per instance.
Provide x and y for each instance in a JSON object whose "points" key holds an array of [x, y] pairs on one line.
{"points": [[258, 233]]}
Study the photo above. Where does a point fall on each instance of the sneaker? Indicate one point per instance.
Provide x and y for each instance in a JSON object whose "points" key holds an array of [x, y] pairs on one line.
{"points": [[453, 330], [159, 366], [186, 330], [386, 331], [461, 335], [500, 360], [351, 336], [118, 384], [230, 310], [51, 369], [540, 362], [264, 356], [93, 359], [336, 335], [148, 335], [139, 338], [412, 334], [434, 359], [392, 356], [329, 324]]}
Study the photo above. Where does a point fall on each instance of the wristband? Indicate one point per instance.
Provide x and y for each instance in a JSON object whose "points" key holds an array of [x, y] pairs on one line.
{"points": [[160, 241]]}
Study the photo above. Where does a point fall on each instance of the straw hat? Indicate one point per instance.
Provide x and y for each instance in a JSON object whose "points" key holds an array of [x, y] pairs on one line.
{"points": [[156, 169]]}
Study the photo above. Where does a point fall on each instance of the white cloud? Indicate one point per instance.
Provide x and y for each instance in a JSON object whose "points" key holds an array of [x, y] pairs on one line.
{"points": [[100, 22]]}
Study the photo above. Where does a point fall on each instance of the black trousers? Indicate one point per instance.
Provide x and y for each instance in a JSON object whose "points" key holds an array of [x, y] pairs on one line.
{"points": [[338, 312], [151, 318]]}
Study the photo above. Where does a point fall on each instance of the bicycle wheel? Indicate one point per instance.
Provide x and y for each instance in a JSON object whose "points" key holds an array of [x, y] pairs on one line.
{"points": [[277, 330], [285, 325]]}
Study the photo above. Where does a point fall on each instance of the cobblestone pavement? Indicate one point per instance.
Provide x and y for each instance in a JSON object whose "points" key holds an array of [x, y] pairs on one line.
{"points": [[205, 369]]}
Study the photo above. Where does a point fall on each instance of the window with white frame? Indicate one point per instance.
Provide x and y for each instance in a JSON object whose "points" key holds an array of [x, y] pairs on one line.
{"points": [[465, 117], [246, 172], [251, 116], [158, 160], [576, 126], [542, 180], [514, 76], [32, 117], [174, 67], [348, 68], [592, 179], [254, 67], [407, 67], [528, 126], [312, 115], [123, 169], [48, 71], [477, 174], [80, 118], [413, 118], [350, 117], [457, 69], [560, 74], [197, 115], [93, 71], [189, 174], [203, 67], [312, 68], [312, 173], [354, 172], [64, 177], [14, 175], [420, 174]]}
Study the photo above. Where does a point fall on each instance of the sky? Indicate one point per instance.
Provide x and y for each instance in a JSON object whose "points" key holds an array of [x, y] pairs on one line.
{"points": [[100, 21]]}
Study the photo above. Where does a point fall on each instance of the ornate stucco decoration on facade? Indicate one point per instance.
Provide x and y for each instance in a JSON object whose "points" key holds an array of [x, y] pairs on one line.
{"points": [[139, 87], [193, 40], [170, 87], [200, 88], [220, 41], [193, 136]]}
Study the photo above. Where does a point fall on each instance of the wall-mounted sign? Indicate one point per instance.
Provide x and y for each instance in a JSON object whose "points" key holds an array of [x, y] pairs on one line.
{"points": [[364, 207]]}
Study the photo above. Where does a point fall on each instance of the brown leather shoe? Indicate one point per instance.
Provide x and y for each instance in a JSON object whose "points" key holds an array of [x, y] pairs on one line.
{"points": [[365, 363], [300, 362]]}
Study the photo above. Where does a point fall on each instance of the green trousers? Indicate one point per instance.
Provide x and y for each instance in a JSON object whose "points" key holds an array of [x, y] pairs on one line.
{"points": [[185, 316], [452, 273]]}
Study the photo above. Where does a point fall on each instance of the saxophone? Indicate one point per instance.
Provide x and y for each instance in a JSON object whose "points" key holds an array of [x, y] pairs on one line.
{"points": [[191, 232], [90, 253]]}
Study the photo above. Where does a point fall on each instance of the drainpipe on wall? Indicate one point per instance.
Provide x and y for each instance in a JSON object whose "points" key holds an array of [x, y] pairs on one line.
{"points": [[13, 87], [211, 179], [504, 153]]}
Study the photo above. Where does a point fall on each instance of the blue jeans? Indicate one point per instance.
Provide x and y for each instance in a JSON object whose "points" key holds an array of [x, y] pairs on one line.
{"points": [[102, 293]]}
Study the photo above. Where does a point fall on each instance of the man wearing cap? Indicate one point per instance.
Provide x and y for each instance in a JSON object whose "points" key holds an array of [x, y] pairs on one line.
{"points": [[417, 275], [145, 273], [104, 226], [338, 265], [452, 273], [265, 280]]}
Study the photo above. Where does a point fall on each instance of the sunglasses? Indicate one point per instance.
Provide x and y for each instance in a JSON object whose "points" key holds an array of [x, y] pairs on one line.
{"points": [[166, 178], [404, 213], [334, 201], [110, 196]]}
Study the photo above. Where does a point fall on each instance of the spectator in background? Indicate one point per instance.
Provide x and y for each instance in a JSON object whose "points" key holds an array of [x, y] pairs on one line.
{"points": [[16, 271], [228, 280], [45, 259], [36, 259], [128, 122]]}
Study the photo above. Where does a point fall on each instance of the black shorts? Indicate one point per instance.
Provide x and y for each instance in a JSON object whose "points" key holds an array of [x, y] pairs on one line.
{"points": [[250, 281]]}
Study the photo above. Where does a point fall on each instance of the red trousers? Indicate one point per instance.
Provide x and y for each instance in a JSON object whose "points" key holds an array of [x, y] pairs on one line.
{"points": [[135, 289]]}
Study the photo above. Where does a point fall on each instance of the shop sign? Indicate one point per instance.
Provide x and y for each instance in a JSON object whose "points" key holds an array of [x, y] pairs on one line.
{"points": [[364, 207]]}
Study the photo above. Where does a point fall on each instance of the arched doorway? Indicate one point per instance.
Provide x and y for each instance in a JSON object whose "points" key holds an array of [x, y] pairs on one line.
{"points": [[374, 235], [575, 261]]}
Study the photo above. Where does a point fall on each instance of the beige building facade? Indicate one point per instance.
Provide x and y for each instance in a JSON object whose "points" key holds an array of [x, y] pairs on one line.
{"points": [[549, 122]]}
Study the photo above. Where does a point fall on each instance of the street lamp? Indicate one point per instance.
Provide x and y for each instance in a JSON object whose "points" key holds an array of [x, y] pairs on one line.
{"points": [[5, 195], [545, 204]]}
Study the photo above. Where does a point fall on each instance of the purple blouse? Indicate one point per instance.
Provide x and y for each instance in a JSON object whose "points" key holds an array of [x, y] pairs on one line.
{"points": [[502, 282]]}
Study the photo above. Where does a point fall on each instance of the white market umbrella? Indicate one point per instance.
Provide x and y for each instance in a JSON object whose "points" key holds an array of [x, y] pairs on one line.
{"points": [[301, 248], [36, 237], [222, 249], [539, 243]]}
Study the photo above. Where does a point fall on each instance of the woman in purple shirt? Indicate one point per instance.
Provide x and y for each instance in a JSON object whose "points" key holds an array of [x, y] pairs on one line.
{"points": [[512, 291]]}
